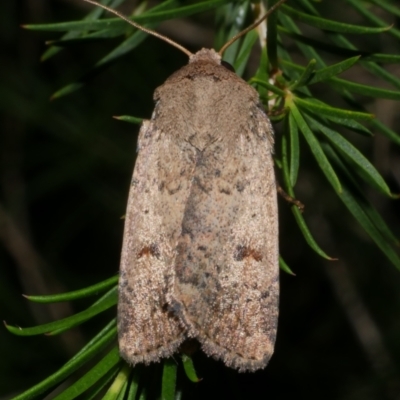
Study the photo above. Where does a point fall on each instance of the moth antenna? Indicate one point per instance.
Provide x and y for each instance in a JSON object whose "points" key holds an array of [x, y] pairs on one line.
{"points": [[142, 28], [249, 28]]}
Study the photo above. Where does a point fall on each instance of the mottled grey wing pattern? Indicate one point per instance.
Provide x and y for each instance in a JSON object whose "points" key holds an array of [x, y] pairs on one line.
{"points": [[200, 253], [147, 329]]}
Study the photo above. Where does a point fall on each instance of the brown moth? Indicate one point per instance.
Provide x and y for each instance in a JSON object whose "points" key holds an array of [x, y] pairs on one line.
{"points": [[200, 250]]}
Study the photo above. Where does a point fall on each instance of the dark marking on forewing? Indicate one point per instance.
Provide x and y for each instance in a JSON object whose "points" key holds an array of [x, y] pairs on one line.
{"points": [[241, 185], [243, 252], [225, 191], [201, 185], [151, 250]]}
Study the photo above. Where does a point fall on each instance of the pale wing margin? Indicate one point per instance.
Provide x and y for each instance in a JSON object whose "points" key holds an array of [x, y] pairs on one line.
{"points": [[227, 267], [147, 328]]}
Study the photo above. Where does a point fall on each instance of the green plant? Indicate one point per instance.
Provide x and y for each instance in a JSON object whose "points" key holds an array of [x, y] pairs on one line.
{"points": [[322, 126]]}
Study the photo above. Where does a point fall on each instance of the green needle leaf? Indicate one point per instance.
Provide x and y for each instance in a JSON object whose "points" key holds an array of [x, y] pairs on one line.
{"points": [[296, 212], [385, 130], [100, 386], [68, 89], [321, 108], [262, 74], [382, 58], [111, 326], [77, 294], [120, 383], [326, 73], [368, 171], [130, 119], [111, 360], [103, 339], [169, 379], [294, 151], [272, 37], [305, 76], [320, 45], [189, 368], [345, 51], [373, 18], [107, 301], [133, 384], [90, 37], [352, 125], [365, 89], [307, 234], [244, 52], [328, 24], [74, 35], [116, 23], [284, 267], [268, 86], [316, 149]]}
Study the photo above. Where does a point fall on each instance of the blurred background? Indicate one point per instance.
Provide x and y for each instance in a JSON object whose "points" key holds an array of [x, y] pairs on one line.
{"points": [[65, 167]]}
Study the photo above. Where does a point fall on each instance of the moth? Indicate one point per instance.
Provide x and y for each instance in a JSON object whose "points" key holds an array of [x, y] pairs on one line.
{"points": [[200, 254]]}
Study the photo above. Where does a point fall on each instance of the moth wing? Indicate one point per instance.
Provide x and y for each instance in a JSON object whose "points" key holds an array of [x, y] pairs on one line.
{"points": [[147, 329], [227, 265]]}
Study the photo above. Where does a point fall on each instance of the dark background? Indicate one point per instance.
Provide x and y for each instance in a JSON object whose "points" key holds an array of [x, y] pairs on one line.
{"points": [[65, 168]]}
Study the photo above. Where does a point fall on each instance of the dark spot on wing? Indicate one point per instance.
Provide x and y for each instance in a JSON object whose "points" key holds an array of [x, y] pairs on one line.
{"points": [[151, 250], [243, 252], [265, 294], [175, 308], [241, 185], [225, 191]]}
